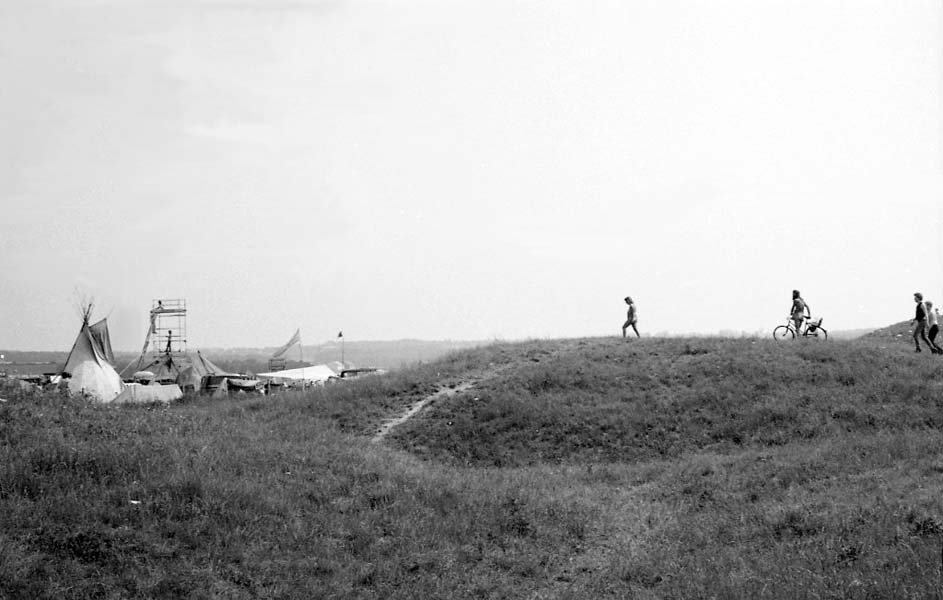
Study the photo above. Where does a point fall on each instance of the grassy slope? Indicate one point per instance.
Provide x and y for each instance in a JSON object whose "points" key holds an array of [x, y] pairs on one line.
{"points": [[575, 468]]}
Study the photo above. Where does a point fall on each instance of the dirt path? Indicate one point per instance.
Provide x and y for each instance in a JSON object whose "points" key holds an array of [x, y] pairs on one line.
{"points": [[413, 410], [470, 380]]}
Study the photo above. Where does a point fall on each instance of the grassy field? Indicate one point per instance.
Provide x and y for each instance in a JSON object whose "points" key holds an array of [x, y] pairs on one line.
{"points": [[592, 468]]}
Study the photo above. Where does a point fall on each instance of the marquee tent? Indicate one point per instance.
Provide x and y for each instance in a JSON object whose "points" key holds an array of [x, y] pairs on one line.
{"points": [[313, 374]]}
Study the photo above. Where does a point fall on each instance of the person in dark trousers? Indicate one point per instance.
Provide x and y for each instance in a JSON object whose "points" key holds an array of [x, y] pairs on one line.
{"points": [[920, 324], [933, 318], [631, 317]]}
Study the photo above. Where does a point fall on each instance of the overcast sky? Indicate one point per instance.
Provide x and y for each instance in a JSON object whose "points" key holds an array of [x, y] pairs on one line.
{"points": [[467, 169]]}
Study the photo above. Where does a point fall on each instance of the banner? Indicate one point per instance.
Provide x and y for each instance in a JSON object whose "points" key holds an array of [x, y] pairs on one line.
{"points": [[294, 340]]}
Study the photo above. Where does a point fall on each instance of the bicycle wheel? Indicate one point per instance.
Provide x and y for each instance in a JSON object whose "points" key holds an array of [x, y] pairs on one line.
{"points": [[782, 332], [817, 334]]}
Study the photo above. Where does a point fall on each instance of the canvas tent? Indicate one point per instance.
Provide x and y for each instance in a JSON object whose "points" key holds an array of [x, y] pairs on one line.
{"points": [[183, 368], [313, 374], [89, 364]]}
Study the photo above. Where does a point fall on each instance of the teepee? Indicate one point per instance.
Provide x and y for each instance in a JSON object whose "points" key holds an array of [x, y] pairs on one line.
{"points": [[89, 362]]}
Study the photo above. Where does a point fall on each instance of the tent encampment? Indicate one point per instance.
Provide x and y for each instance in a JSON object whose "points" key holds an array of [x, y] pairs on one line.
{"points": [[183, 368], [91, 373], [169, 361]]}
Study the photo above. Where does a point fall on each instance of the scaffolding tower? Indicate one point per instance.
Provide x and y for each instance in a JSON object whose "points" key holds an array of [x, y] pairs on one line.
{"points": [[168, 333]]}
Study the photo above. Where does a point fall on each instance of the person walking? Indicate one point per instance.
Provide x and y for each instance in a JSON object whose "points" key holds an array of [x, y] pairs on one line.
{"points": [[920, 324], [631, 318], [799, 311], [933, 319]]}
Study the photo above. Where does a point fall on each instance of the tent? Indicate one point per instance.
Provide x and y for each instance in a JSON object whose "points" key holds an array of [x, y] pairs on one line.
{"points": [[183, 368], [313, 374], [136, 393], [88, 364]]}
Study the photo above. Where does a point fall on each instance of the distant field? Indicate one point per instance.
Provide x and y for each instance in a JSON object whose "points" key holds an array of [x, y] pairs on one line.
{"points": [[587, 468], [380, 354]]}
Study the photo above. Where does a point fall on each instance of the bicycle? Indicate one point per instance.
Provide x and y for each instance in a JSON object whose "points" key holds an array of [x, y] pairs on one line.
{"points": [[809, 329]]}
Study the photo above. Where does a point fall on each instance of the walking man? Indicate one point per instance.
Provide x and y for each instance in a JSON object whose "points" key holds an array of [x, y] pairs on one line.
{"points": [[920, 324], [933, 320], [631, 318]]}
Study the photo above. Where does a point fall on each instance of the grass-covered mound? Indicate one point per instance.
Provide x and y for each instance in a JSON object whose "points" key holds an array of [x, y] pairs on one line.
{"points": [[611, 401], [584, 469], [901, 332]]}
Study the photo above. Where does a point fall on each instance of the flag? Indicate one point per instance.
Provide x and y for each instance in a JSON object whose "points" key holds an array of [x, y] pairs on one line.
{"points": [[340, 334], [294, 340]]}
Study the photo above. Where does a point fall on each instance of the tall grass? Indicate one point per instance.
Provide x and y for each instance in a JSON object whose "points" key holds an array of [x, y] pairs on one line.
{"points": [[573, 469]]}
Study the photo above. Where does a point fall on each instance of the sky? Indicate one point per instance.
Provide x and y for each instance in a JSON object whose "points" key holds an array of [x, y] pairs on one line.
{"points": [[466, 169]]}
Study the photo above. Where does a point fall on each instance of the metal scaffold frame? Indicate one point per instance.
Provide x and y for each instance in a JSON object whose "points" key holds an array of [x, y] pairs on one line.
{"points": [[168, 333]]}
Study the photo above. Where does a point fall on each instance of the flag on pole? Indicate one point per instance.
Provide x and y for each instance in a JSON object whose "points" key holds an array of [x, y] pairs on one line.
{"points": [[294, 340], [340, 334]]}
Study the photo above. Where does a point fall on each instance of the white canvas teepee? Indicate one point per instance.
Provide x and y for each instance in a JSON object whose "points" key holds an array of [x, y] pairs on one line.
{"points": [[89, 366]]}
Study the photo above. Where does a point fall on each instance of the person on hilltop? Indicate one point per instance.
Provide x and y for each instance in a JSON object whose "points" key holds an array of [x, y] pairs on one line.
{"points": [[920, 325], [631, 318], [799, 311], [933, 319]]}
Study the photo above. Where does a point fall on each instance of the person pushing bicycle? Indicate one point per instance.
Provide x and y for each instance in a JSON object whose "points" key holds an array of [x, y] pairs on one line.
{"points": [[800, 310]]}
